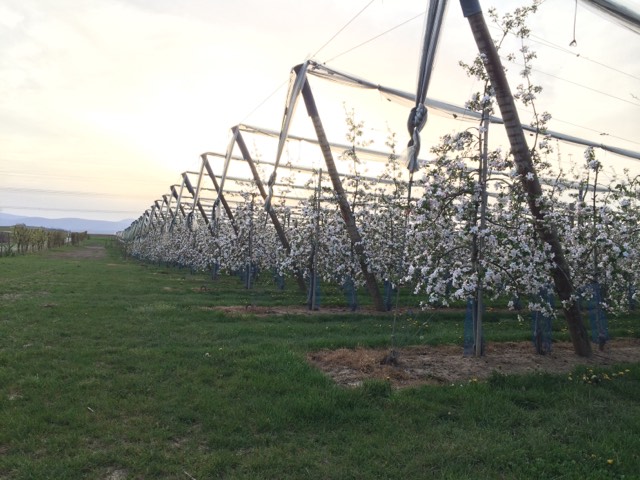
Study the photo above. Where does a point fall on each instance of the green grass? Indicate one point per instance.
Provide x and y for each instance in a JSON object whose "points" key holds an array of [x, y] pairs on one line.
{"points": [[113, 369]]}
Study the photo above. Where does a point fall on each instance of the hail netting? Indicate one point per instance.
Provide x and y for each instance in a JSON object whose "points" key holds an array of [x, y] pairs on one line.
{"points": [[295, 86], [461, 113], [418, 116], [620, 11]]}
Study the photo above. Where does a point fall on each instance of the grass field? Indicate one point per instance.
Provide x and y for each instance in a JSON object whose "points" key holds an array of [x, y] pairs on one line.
{"points": [[111, 369]]}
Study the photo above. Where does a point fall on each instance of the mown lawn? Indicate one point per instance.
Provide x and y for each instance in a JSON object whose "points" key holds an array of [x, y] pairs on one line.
{"points": [[111, 369]]}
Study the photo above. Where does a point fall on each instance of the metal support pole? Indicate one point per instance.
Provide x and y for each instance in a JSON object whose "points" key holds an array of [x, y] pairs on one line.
{"points": [[478, 347], [313, 304]]}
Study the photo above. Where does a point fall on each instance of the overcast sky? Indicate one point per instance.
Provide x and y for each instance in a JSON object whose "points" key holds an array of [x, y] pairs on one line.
{"points": [[103, 103]]}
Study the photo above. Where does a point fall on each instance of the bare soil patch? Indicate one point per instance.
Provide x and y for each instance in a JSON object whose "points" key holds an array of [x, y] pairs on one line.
{"points": [[446, 364]]}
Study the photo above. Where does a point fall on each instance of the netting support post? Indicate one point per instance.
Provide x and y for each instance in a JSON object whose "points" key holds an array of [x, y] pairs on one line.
{"points": [[272, 214], [161, 210], [179, 206], [528, 176], [195, 193], [345, 208], [313, 289], [225, 204]]}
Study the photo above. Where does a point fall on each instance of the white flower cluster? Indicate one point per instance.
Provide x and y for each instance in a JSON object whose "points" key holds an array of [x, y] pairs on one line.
{"points": [[436, 245]]}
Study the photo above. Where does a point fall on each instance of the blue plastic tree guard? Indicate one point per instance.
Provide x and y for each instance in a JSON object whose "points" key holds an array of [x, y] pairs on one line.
{"points": [[248, 274], [215, 270], [350, 293], [470, 330], [389, 292], [278, 278], [597, 317], [541, 324], [313, 295]]}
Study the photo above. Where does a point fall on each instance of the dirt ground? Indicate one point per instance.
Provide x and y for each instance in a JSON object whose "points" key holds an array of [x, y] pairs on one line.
{"points": [[446, 365]]}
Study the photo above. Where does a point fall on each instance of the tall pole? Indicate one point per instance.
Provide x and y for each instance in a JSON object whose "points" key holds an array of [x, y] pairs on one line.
{"points": [[195, 193], [272, 214], [528, 176], [345, 208], [249, 261], [223, 200], [179, 206], [313, 300]]}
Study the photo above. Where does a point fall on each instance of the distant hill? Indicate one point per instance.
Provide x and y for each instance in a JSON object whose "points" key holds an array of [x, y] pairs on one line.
{"points": [[69, 224]]}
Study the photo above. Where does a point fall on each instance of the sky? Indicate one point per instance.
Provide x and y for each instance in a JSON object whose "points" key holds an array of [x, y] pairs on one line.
{"points": [[103, 103]]}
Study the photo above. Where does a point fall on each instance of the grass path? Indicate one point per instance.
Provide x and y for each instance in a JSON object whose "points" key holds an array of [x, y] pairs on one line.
{"points": [[110, 369]]}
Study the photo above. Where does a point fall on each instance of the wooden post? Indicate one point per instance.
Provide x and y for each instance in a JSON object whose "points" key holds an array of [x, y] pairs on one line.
{"points": [[195, 192], [272, 214], [528, 176], [179, 206], [345, 208], [160, 215], [224, 202]]}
